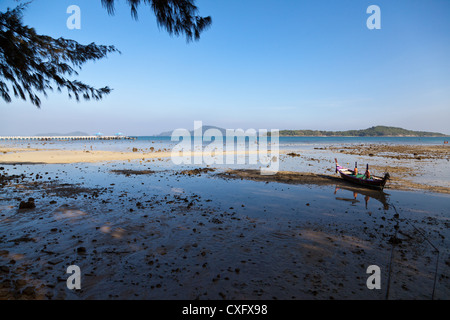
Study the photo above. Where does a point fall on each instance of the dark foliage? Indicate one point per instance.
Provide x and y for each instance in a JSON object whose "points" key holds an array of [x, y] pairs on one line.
{"points": [[32, 64], [176, 16]]}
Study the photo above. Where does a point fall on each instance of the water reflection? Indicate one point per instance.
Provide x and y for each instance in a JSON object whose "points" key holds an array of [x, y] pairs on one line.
{"points": [[366, 193]]}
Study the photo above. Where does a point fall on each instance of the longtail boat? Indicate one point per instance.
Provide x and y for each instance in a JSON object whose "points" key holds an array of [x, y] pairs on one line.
{"points": [[365, 179]]}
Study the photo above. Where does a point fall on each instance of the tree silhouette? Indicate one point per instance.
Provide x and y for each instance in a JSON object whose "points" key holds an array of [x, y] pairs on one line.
{"points": [[31, 63], [176, 16]]}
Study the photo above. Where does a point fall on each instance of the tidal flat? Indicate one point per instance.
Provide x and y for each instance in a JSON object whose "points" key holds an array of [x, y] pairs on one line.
{"points": [[152, 230]]}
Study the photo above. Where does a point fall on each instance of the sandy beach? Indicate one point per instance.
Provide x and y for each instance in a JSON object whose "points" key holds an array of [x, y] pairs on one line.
{"points": [[52, 156], [412, 162], [166, 150], [141, 228]]}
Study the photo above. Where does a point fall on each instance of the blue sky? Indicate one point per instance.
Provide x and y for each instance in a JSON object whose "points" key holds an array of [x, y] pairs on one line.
{"points": [[290, 64]]}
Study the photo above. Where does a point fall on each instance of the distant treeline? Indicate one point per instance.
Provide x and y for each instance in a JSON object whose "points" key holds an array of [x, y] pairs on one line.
{"points": [[378, 131]]}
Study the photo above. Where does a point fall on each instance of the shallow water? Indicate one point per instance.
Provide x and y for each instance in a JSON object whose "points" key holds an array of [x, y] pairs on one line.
{"points": [[285, 143], [315, 157], [167, 235]]}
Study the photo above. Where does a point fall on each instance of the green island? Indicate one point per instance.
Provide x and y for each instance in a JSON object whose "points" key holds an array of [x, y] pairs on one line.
{"points": [[377, 131]]}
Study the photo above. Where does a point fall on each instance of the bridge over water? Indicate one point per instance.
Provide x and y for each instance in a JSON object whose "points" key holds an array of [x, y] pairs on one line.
{"points": [[66, 138]]}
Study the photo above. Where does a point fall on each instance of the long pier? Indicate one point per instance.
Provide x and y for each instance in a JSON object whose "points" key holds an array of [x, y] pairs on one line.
{"points": [[65, 138]]}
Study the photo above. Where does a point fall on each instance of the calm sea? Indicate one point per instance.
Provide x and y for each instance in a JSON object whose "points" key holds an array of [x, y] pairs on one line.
{"points": [[161, 143]]}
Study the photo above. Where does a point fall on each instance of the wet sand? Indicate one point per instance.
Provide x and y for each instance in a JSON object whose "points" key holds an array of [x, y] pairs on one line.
{"points": [[143, 230], [399, 182], [43, 156], [406, 164], [418, 152]]}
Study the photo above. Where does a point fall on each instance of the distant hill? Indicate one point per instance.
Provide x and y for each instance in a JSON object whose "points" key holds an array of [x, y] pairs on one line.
{"points": [[378, 131], [70, 134], [169, 133]]}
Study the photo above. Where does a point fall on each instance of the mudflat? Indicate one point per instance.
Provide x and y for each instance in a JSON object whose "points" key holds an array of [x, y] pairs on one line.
{"points": [[153, 230]]}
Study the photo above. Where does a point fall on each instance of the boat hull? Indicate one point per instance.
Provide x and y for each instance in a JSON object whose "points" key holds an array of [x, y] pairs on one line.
{"points": [[374, 182]]}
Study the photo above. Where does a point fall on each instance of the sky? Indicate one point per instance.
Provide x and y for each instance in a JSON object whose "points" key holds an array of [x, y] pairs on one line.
{"points": [[263, 64]]}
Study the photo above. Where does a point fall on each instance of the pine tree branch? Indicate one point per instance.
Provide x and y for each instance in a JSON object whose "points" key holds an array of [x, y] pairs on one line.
{"points": [[33, 63]]}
